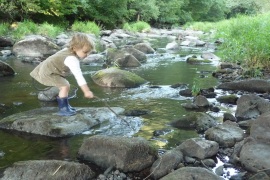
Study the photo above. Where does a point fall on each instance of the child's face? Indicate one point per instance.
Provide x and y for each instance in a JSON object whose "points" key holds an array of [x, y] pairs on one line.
{"points": [[82, 52]]}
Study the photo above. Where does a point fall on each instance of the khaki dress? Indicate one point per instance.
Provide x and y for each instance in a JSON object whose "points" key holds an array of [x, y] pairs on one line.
{"points": [[52, 71]]}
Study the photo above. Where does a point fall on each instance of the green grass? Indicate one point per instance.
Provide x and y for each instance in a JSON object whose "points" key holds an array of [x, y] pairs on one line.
{"points": [[4, 29], [86, 27], [139, 26], [50, 30], [246, 39]]}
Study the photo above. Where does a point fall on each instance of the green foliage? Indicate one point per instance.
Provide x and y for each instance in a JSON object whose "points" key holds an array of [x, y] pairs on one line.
{"points": [[246, 40], [86, 27], [24, 28], [139, 26], [4, 29], [49, 30], [195, 89], [143, 10]]}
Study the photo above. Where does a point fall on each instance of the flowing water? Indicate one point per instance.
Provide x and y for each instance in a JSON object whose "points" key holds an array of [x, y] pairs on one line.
{"points": [[157, 97]]}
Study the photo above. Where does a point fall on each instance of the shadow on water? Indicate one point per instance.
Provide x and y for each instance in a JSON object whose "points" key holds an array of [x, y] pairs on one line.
{"points": [[157, 97]]}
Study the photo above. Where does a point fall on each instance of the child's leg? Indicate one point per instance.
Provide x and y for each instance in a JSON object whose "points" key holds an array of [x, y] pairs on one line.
{"points": [[63, 91], [64, 108]]}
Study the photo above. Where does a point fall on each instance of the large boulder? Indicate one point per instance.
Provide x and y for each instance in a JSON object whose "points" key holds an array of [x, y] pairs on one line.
{"points": [[122, 58], [126, 154], [226, 134], [35, 46], [166, 163], [48, 169], [199, 148], [250, 107], [114, 77], [251, 85], [195, 120], [45, 121]]}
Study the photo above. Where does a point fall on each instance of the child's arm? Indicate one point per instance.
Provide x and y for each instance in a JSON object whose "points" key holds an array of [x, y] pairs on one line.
{"points": [[74, 66], [86, 91]]}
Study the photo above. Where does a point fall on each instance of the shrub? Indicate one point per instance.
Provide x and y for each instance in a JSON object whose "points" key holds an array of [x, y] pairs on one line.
{"points": [[50, 30], [24, 28], [86, 27], [4, 29], [139, 26]]}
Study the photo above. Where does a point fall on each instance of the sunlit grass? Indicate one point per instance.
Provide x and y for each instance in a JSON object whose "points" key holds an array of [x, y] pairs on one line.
{"points": [[86, 27], [50, 30], [245, 39], [139, 26]]}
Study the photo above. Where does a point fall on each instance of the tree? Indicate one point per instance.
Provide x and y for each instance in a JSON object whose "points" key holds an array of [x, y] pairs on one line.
{"points": [[143, 10]]}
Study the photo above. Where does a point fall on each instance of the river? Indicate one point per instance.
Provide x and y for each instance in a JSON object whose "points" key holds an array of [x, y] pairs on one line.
{"points": [[157, 97]]}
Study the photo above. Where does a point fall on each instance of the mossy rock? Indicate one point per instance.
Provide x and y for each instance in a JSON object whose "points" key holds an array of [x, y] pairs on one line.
{"points": [[114, 77]]}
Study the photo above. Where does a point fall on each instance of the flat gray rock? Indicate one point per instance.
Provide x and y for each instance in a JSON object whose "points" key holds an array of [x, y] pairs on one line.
{"points": [[45, 121]]}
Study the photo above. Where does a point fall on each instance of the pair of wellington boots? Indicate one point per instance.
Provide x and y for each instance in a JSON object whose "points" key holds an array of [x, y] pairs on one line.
{"points": [[64, 108]]}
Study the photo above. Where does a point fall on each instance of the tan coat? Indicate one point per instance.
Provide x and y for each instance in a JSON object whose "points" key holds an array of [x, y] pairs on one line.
{"points": [[52, 71]]}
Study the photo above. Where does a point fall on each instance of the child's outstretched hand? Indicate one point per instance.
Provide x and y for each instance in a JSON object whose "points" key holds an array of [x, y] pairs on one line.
{"points": [[86, 91], [88, 94]]}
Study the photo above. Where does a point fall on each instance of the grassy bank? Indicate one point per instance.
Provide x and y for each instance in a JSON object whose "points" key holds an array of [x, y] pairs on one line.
{"points": [[245, 39], [20, 29]]}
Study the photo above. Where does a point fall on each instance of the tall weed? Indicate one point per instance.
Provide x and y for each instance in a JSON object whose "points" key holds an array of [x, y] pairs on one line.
{"points": [[138, 26], [50, 30], [86, 27]]}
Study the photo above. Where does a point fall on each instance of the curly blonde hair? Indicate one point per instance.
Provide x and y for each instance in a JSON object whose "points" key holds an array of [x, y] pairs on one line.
{"points": [[80, 40]]}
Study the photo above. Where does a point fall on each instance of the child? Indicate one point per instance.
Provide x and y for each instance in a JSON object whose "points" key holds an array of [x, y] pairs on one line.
{"points": [[52, 71]]}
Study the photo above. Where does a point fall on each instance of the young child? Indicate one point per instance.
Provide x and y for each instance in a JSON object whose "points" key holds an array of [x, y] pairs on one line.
{"points": [[53, 70]]}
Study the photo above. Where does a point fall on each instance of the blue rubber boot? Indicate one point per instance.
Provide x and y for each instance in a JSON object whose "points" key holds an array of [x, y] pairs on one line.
{"points": [[64, 109]]}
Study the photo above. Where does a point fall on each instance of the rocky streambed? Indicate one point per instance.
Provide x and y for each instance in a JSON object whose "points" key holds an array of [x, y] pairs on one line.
{"points": [[238, 142]]}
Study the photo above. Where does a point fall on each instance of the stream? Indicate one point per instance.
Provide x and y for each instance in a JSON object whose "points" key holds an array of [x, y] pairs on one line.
{"points": [[157, 97]]}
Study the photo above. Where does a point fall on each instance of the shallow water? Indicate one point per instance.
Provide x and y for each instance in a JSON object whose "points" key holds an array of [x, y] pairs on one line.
{"points": [[163, 104]]}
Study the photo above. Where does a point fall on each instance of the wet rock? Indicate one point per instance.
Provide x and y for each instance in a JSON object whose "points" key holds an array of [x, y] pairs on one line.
{"points": [[162, 132], [253, 155], [189, 173], [226, 134], [122, 58], [250, 85], [260, 176], [94, 58], [48, 169], [34, 46], [228, 99], [199, 148], [198, 120], [186, 93], [208, 162], [140, 56], [125, 154], [136, 112], [45, 121], [145, 48], [166, 163], [260, 128], [5, 42], [229, 117], [201, 101], [114, 77], [6, 69], [250, 107]]}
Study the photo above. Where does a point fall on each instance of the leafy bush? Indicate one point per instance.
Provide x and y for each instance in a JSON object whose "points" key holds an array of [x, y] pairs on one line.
{"points": [[4, 29], [139, 26], [86, 27], [24, 28]]}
